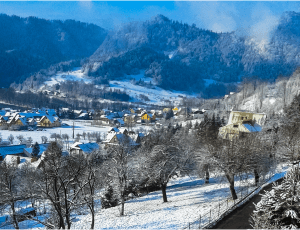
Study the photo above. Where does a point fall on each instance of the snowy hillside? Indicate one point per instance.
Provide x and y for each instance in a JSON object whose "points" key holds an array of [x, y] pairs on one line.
{"points": [[183, 57], [155, 94], [75, 75], [139, 87]]}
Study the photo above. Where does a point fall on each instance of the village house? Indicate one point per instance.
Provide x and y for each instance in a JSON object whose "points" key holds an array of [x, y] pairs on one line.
{"points": [[22, 120], [17, 160], [130, 118], [106, 119], [123, 136], [43, 148], [48, 121], [118, 122], [80, 148], [242, 122], [148, 117], [113, 130], [16, 150]]}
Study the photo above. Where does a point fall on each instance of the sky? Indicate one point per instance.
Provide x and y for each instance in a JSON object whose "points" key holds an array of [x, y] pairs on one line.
{"points": [[245, 17]]}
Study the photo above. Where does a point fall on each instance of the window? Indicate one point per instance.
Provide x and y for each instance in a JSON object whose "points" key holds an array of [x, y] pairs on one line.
{"points": [[235, 126]]}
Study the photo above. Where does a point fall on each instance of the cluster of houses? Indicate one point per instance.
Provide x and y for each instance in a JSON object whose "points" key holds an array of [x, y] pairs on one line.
{"points": [[23, 153], [141, 116], [13, 120]]}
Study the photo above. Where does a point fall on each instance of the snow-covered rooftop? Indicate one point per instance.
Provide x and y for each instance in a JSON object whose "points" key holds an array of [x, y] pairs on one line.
{"points": [[11, 150]]}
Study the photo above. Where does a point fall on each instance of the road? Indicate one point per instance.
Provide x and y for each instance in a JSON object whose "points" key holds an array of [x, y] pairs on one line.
{"points": [[239, 218]]}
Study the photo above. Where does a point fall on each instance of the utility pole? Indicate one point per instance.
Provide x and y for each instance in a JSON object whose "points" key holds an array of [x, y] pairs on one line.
{"points": [[73, 129]]}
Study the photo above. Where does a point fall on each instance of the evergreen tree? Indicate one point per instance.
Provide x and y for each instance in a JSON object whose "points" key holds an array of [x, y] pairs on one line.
{"points": [[35, 150], [280, 208]]}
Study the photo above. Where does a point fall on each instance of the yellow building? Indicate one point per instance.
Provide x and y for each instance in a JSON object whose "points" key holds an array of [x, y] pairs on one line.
{"points": [[49, 121], [242, 122], [148, 117]]}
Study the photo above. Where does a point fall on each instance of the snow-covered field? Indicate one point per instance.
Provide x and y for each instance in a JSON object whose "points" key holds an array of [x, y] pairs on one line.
{"points": [[155, 94], [75, 75], [80, 127], [188, 198]]}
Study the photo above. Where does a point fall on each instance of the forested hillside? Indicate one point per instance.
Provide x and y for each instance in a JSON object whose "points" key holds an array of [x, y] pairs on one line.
{"points": [[30, 44], [179, 56]]}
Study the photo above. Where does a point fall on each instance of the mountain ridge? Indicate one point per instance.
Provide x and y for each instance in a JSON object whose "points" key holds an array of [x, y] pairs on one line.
{"points": [[224, 57], [30, 44]]}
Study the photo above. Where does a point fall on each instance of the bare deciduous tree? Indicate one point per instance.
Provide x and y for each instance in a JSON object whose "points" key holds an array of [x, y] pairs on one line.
{"points": [[11, 139]]}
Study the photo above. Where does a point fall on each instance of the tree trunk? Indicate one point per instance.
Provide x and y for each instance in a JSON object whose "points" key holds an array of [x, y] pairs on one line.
{"points": [[93, 215], [206, 174], [256, 177], [163, 189], [122, 206], [14, 216], [230, 179]]}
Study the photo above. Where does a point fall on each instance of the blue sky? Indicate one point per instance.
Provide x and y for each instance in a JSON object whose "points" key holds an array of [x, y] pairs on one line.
{"points": [[212, 15]]}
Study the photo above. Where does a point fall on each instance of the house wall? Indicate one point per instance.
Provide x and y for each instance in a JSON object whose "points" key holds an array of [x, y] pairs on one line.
{"points": [[230, 131], [237, 116]]}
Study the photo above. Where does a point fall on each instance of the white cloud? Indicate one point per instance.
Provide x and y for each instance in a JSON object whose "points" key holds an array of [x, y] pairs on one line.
{"points": [[87, 4], [216, 16], [264, 22]]}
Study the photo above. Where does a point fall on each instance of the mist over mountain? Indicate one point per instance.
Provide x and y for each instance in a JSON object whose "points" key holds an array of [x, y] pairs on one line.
{"points": [[30, 44], [179, 56]]}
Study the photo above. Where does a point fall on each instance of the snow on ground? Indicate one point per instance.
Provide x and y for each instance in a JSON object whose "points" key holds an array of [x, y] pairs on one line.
{"points": [[74, 75], [80, 127], [188, 198], [155, 94]]}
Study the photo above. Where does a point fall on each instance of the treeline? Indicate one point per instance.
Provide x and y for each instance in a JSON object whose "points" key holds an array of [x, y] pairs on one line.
{"points": [[29, 99], [75, 89], [30, 44], [35, 81], [38, 100]]}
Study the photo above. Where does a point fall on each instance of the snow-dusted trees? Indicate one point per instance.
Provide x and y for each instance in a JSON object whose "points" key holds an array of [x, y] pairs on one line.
{"points": [[119, 167], [11, 138], [44, 139], [56, 182], [237, 156], [206, 133], [289, 133], [91, 180], [279, 208], [9, 185], [259, 154], [165, 153]]}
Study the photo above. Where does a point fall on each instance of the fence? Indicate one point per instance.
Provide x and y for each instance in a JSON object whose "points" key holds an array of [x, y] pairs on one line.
{"points": [[209, 219]]}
